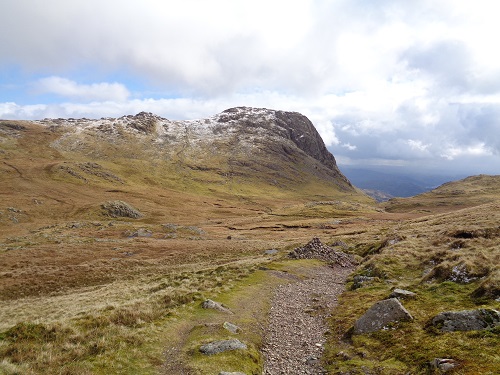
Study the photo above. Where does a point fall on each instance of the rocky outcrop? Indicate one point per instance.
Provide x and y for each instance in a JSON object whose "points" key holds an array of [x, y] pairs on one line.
{"points": [[315, 249], [381, 315], [467, 320]]}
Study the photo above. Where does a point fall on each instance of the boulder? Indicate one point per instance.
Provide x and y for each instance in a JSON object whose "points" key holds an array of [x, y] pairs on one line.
{"points": [[120, 209], [402, 294], [216, 347], [467, 320], [380, 315], [209, 304]]}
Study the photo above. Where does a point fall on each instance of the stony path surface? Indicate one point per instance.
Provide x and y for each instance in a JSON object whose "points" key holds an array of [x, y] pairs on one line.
{"points": [[297, 323]]}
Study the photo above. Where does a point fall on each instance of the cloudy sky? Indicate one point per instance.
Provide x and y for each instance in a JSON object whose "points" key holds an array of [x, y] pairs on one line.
{"points": [[413, 84]]}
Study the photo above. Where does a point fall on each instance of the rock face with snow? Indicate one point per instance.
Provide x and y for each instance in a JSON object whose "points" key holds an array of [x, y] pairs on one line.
{"points": [[239, 144]]}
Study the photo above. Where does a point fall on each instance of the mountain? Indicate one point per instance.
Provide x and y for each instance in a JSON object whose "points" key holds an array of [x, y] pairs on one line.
{"points": [[265, 157]]}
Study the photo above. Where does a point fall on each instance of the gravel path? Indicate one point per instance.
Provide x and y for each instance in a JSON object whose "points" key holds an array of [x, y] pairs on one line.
{"points": [[294, 339]]}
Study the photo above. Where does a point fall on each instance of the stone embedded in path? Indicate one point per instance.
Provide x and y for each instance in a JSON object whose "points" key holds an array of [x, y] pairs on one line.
{"points": [[209, 304], [317, 250], [467, 320], [222, 346], [231, 327], [402, 294], [380, 315]]}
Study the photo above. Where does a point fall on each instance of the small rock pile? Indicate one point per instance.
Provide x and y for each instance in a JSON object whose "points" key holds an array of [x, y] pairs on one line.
{"points": [[315, 249]]}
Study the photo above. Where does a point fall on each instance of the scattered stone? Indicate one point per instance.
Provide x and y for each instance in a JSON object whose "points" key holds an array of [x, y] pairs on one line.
{"points": [[271, 252], [231, 373], [344, 356], [467, 320], [380, 315], [443, 364], [120, 209], [312, 361], [209, 304], [360, 280], [139, 233], [317, 250], [231, 327], [216, 347], [402, 294]]}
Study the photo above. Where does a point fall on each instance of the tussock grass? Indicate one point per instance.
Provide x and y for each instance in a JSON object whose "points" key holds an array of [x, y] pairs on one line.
{"points": [[425, 259]]}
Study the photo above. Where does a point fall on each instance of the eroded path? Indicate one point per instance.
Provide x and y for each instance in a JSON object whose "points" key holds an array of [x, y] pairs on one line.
{"points": [[295, 336]]}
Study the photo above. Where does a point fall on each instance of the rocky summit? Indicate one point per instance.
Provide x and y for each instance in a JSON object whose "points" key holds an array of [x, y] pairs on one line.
{"points": [[238, 144]]}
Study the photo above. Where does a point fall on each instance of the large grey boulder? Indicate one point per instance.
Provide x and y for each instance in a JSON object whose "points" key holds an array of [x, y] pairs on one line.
{"points": [[215, 347], [467, 320], [380, 315]]}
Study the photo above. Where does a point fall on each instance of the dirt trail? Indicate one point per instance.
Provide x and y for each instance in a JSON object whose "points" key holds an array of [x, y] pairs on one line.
{"points": [[297, 323]]}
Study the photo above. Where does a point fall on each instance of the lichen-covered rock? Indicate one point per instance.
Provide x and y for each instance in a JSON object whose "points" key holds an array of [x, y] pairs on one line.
{"points": [[120, 209], [380, 315], [216, 347], [467, 320]]}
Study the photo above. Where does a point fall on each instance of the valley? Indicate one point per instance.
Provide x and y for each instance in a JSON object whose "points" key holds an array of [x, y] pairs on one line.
{"points": [[114, 231]]}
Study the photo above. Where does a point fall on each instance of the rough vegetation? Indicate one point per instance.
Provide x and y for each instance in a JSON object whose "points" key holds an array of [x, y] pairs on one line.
{"points": [[89, 287]]}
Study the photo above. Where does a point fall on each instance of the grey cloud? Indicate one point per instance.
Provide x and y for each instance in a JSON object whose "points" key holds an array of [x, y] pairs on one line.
{"points": [[448, 62]]}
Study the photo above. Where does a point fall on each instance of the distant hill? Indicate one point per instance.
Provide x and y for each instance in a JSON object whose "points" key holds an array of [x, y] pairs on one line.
{"points": [[468, 192], [383, 184]]}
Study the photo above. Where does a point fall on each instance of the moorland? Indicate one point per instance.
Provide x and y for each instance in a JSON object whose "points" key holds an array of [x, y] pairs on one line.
{"points": [[113, 231]]}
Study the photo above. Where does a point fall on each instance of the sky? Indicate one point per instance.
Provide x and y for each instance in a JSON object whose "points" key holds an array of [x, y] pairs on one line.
{"points": [[413, 85]]}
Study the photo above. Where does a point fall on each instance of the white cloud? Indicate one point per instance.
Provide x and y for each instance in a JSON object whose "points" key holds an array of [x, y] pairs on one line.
{"points": [[453, 152], [70, 89]]}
